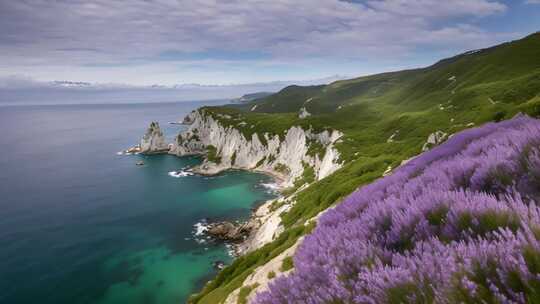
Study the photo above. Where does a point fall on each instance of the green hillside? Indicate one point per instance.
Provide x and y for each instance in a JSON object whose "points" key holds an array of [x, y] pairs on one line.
{"points": [[454, 76], [456, 93]]}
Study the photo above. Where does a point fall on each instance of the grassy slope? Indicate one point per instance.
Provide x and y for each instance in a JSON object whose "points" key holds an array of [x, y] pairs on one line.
{"points": [[492, 84]]}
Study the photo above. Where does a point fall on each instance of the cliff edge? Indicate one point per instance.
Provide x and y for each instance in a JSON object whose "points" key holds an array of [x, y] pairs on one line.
{"points": [[284, 156]]}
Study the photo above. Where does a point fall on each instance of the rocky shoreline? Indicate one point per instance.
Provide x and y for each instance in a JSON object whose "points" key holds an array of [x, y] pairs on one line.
{"points": [[225, 148], [229, 231], [243, 237]]}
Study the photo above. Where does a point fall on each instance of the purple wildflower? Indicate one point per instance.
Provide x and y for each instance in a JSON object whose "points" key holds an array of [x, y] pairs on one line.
{"points": [[459, 223]]}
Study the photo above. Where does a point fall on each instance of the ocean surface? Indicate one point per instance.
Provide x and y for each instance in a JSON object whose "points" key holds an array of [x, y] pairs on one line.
{"points": [[81, 224]]}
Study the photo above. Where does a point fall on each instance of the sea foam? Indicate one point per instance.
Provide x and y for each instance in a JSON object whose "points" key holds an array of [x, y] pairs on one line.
{"points": [[180, 173], [270, 187]]}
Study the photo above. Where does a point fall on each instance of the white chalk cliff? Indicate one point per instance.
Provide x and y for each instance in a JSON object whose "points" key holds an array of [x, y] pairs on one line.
{"points": [[153, 140], [284, 157]]}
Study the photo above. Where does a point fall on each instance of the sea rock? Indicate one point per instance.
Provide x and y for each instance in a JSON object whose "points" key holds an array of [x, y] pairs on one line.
{"points": [[153, 140], [227, 231], [218, 265]]}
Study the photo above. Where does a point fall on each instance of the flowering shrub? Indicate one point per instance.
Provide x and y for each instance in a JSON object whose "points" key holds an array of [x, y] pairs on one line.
{"points": [[457, 224]]}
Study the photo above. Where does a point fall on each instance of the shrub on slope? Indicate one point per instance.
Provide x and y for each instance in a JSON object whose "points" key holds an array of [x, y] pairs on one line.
{"points": [[458, 224]]}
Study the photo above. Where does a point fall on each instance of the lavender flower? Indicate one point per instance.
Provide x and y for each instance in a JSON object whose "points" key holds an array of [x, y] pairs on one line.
{"points": [[458, 224]]}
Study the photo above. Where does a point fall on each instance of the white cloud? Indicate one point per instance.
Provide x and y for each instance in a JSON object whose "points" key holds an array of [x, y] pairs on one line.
{"points": [[437, 8], [92, 37]]}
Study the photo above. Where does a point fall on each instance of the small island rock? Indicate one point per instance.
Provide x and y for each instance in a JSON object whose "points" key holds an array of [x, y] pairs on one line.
{"points": [[153, 140]]}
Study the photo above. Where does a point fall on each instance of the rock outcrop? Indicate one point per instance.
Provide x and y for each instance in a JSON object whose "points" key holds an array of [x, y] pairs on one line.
{"points": [[260, 278], [227, 231], [266, 223], [434, 139], [153, 140], [187, 120], [303, 113], [284, 157]]}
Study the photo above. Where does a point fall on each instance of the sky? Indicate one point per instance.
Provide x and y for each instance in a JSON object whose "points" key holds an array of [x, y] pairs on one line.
{"points": [[210, 42]]}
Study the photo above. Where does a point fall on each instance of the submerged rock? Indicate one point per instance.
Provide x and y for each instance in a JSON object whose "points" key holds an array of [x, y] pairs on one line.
{"points": [[218, 265], [153, 140]]}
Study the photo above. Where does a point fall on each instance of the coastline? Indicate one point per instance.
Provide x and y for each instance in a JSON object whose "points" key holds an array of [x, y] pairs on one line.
{"points": [[240, 236], [282, 158], [258, 214], [255, 221], [261, 221]]}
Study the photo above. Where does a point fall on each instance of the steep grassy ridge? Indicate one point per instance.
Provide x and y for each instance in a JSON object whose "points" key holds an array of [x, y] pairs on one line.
{"points": [[427, 86], [456, 93]]}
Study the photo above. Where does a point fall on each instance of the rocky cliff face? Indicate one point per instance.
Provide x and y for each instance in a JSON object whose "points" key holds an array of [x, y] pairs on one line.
{"points": [[226, 147], [153, 140]]}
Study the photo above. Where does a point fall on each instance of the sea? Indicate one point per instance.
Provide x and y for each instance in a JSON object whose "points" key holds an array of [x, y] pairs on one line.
{"points": [[82, 223]]}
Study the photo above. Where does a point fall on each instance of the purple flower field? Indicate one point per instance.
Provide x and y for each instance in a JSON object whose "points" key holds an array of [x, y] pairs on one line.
{"points": [[457, 224]]}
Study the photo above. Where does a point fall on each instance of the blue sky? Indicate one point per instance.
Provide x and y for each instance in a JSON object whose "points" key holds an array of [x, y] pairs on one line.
{"points": [[244, 41]]}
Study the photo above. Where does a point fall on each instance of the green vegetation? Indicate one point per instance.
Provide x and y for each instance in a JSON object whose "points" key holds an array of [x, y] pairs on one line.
{"points": [[287, 264], [489, 222], [294, 97], [324, 193], [275, 205], [282, 168], [233, 158], [244, 293], [212, 154], [454, 94], [403, 293], [231, 277], [483, 278], [260, 162], [308, 177], [315, 148], [254, 123], [271, 275]]}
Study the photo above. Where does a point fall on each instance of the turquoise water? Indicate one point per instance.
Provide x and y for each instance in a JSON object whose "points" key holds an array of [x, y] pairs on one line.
{"points": [[80, 224]]}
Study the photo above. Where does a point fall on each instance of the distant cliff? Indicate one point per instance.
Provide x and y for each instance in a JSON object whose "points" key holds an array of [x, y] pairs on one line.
{"points": [[284, 157], [252, 97]]}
